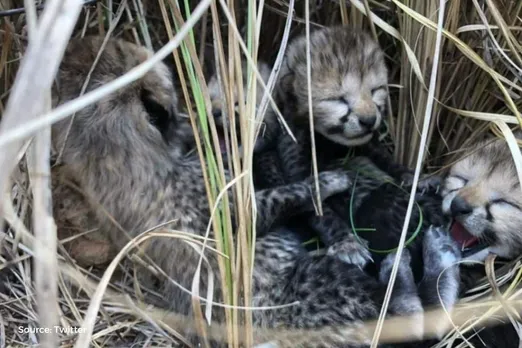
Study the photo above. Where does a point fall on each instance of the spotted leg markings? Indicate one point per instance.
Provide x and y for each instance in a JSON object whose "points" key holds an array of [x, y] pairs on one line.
{"points": [[333, 182]]}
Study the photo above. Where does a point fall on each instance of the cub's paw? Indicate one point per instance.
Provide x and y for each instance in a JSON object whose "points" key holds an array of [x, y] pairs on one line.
{"points": [[333, 182], [351, 251], [426, 183], [440, 251], [387, 265]]}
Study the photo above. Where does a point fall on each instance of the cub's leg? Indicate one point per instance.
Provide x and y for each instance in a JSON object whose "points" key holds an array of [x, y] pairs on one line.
{"points": [[440, 285], [405, 300], [275, 205], [441, 254]]}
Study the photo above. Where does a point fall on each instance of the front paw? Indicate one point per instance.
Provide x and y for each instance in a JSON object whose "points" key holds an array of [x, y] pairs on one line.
{"points": [[351, 251], [440, 251], [427, 183], [333, 182]]}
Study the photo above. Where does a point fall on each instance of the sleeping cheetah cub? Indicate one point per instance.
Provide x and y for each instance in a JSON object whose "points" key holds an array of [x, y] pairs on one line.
{"points": [[349, 80], [482, 195]]}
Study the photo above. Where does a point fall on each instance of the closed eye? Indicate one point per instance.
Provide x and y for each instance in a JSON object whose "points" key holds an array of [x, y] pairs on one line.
{"points": [[376, 89], [461, 178], [452, 185], [338, 100], [503, 201]]}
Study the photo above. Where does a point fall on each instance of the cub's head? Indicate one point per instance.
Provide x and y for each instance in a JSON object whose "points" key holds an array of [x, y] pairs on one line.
{"points": [[217, 97], [349, 84], [483, 195], [141, 117], [219, 107]]}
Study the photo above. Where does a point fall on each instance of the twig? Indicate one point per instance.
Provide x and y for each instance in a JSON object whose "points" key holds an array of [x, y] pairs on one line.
{"points": [[31, 18]]}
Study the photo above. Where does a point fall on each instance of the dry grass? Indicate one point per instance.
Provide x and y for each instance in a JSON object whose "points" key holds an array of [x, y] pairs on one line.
{"points": [[477, 88]]}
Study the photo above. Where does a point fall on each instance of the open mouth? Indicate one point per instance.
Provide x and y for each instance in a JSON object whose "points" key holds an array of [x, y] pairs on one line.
{"points": [[468, 243]]}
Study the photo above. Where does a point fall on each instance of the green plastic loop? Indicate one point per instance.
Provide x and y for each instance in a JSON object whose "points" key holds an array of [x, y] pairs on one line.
{"points": [[388, 251]]}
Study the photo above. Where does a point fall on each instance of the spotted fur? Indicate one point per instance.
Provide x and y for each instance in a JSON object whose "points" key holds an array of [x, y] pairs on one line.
{"points": [[482, 192], [475, 193], [124, 155], [349, 84]]}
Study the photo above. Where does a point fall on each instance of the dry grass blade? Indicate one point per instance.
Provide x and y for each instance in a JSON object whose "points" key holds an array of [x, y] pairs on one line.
{"points": [[310, 108], [252, 65], [466, 50], [512, 42], [85, 335], [510, 313], [48, 41], [45, 262], [277, 64], [513, 147]]}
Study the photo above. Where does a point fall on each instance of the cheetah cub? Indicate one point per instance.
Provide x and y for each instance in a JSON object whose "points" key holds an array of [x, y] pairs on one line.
{"points": [[349, 84], [482, 194], [349, 90]]}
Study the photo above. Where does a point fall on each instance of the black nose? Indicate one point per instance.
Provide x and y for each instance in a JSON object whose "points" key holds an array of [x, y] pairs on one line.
{"points": [[368, 121], [216, 113], [459, 206]]}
